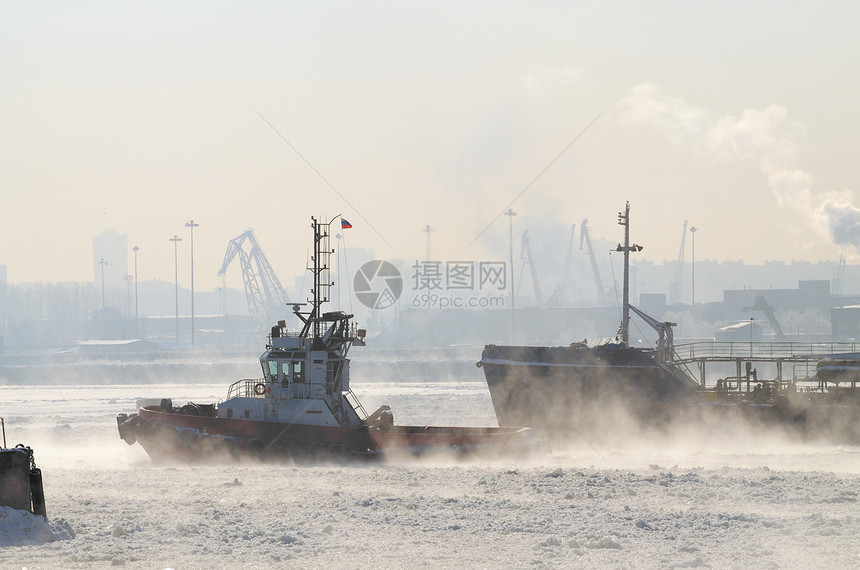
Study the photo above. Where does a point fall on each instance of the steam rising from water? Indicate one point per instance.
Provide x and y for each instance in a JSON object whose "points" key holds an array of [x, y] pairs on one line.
{"points": [[766, 136], [647, 499], [74, 427], [616, 424]]}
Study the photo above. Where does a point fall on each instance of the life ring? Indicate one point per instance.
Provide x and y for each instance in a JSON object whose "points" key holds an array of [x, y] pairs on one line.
{"points": [[260, 389]]}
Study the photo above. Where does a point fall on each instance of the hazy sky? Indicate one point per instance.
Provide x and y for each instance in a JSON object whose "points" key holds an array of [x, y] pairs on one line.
{"points": [[741, 117]]}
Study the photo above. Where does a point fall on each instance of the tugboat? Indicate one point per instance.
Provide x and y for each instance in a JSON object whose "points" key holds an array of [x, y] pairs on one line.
{"points": [[303, 405]]}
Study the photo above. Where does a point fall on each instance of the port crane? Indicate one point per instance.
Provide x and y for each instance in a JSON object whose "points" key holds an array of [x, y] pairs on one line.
{"points": [[559, 296], [585, 239], [676, 287], [762, 305], [527, 253], [267, 299], [566, 278], [840, 274]]}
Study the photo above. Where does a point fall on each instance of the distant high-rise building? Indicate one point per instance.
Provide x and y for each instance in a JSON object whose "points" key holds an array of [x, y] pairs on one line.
{"points": [[112, 247], [2, 302]]}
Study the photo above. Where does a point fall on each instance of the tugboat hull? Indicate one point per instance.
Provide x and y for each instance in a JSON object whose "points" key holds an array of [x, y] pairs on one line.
{"points": [[170, 435], [175, 435]]}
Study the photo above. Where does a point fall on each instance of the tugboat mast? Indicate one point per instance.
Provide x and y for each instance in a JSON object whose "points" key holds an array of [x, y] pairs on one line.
{"points": [[624, 220], [322, 278]]}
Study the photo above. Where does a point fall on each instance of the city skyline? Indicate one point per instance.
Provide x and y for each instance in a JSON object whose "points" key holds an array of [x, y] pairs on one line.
{"points": [[734, 274]]}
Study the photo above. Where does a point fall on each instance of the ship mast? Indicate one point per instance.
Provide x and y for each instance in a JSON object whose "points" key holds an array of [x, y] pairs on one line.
{"points": [[322, 278], [624, 220]]}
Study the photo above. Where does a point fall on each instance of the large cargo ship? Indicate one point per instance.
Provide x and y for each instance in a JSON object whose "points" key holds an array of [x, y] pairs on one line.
{"points": [[614, 391], [303, 405]]}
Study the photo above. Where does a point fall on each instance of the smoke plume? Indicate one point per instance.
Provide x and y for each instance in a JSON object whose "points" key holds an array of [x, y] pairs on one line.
{"points": [[766, 136]]}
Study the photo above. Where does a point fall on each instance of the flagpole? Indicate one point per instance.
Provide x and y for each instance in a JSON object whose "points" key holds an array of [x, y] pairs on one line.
{"points": [[337, 237], [344, 225]]}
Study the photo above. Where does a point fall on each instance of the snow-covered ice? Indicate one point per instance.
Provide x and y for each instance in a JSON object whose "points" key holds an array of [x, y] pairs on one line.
{"points": [[761, 505], [20, 528]]}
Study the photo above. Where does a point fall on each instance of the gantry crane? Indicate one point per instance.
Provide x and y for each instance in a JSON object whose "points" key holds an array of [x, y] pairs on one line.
{"points": [[559, 297], [761, 304], [527, 253], [566, 277], [675, 288], [267, 300], [585, 239], [840, 274]]}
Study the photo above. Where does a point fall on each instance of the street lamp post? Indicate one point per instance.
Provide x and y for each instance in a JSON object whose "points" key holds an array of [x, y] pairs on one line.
{"points": [[102, 262], [128, 282], [338, 238], [175, 239], [192, 225], [427, 229], [510, 213], [136, 333], [752, 324], [693, 236], [222, 293]]}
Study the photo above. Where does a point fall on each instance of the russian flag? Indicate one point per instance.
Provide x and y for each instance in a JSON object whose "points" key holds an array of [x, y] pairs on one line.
{"points": [[345, 224]]}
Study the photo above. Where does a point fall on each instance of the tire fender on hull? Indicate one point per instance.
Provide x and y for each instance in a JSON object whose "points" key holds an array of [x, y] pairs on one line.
{"points": [[128, 427]]}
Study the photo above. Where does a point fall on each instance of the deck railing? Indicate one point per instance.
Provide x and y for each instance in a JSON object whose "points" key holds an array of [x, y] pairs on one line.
{"points": [[245, 388], [356, 405], [797, 351]]}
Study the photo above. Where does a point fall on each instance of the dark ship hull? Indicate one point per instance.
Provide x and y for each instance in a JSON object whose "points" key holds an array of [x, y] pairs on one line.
{"points": [[610, 395], [592, 391]]}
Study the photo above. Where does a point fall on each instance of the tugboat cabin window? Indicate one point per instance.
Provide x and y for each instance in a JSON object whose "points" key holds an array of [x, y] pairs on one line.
{"points": [[285, 377], [298, 371], [273, 370]]}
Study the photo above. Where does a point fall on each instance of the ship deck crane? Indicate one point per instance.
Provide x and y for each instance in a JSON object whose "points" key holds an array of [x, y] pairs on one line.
{"points": [[666, 336], [267, 299], [666, 348]]}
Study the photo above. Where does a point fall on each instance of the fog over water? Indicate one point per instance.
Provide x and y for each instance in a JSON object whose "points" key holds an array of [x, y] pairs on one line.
{"points": [[741, 501]]}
